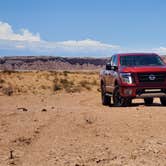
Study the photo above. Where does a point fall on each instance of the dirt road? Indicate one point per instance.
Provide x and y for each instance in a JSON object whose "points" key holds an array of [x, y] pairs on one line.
{"points": [[76, 130]]}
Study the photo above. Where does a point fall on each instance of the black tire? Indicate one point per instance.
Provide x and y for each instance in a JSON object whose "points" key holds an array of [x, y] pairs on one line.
{"points": [[120, 101], [163, 101], [148, 101], [106, 100]]}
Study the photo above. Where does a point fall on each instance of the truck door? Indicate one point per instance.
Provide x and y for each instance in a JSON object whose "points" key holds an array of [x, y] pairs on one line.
{"points": [[111, 74], [108, 76]]}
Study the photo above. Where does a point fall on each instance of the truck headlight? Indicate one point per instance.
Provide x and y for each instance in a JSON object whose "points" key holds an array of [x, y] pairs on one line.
{"points": [[127, 78]]}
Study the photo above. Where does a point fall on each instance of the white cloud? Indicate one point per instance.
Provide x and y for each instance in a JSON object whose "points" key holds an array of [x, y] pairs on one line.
{"points": [[32, 42], [21, 46], [82, 46], [86, 43], [6, 33], [160, 50], [27, 41]]}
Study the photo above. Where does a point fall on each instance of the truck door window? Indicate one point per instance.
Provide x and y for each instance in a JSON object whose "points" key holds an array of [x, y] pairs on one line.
{"points": [[114, 61]]}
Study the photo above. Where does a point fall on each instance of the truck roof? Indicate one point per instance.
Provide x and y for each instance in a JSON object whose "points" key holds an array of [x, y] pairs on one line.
{"points": [[136, 54]]}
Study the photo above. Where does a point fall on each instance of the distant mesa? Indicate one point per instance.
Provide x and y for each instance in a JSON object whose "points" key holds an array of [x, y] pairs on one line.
{"points": [[50, 63]]}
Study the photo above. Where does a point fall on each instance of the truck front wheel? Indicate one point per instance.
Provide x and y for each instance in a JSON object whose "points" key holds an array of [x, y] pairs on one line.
{"points": [[106, 100], [119, 100], [163, 101], [148, 101]]}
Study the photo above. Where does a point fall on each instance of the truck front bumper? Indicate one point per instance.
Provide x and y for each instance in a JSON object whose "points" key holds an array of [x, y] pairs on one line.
{"points": [[142, 92]]}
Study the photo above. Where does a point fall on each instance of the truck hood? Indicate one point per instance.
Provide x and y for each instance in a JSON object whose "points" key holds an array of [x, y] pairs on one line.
{"points": [[143, 69]]}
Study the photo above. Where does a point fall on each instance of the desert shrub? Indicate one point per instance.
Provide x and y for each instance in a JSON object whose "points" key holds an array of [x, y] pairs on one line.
{"points": [[8, 91], [76, 89], [60, 73], [57, 87], [94, 82], [43, 87], [85, 84], [46, 76], [53, 72], [20, 77], [55, 80], [69, 86], [65, 73], [88, 87], [66, 83], [7, 71], [2, 81], [92, 73]]}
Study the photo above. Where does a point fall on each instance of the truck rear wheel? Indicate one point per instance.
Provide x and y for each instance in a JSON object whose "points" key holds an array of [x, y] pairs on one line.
{"points": [[148, 101], [106, 100], [119, 100], [163, 101]]}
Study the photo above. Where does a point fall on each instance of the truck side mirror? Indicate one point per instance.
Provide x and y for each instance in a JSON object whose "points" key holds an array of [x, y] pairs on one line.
{"points": [[108, 66]]}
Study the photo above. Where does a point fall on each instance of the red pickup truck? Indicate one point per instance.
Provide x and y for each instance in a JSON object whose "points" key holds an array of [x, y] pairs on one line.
{"points": [[133, 75]]}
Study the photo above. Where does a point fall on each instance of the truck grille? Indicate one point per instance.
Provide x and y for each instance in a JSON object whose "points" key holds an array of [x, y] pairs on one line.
{"points": [[151, 77]]}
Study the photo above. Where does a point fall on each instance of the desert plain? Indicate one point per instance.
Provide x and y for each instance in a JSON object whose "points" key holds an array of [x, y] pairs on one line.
{"points": [[57, 119]]}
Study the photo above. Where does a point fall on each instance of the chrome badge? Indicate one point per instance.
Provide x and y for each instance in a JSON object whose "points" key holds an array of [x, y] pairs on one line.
{"points": [[152, 77]]}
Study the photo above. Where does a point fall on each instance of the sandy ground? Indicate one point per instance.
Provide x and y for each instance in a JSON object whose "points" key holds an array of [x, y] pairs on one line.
{"points": [[76, 130]]}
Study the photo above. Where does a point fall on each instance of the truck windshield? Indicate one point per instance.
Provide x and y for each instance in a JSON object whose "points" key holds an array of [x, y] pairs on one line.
{"points": [[141, 60]]}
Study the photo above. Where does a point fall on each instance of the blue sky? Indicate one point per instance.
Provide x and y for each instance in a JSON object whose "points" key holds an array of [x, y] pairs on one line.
{"points": [[82, 27]]}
